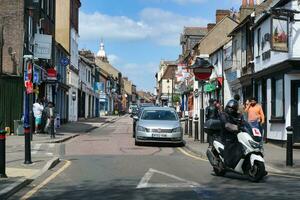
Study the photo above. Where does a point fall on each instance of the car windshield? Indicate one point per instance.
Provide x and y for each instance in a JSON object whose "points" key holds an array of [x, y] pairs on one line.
{"points": [[159, 115]]}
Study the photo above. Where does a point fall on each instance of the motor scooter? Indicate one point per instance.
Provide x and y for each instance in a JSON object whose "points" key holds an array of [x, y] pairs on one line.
{"points": [[248, 153]]}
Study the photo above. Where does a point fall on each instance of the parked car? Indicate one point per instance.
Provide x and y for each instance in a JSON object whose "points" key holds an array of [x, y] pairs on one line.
{"points": [[136, 114], [158, 124]]}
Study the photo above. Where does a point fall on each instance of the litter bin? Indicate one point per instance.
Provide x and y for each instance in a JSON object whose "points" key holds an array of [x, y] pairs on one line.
{"points": [[18, 127]]}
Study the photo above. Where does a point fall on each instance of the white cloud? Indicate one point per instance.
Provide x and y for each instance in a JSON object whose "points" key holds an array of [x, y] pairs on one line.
{"points": [[140, 74], [162, 27], [113, 59]]}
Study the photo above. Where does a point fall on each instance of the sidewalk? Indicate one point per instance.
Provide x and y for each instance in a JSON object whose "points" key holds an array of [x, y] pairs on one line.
{"points": [[275, 156], [19, 175]]}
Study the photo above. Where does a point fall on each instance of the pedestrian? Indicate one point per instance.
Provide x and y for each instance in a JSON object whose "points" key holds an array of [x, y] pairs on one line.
{"points": [[178, 109], [211, 114], [50, 113], [37, 109], [256, 115]]}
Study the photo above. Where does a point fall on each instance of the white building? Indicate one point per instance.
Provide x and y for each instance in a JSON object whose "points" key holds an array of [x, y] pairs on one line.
{"points": [[73, 78], [277, 62]]}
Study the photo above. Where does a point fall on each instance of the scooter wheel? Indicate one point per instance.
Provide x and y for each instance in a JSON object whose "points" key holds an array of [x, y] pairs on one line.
{"points": [[219, 172], [257, 171]]}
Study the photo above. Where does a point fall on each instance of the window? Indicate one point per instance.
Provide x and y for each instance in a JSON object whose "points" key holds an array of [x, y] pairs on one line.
{"points": [[298, 104], [42, 4], [258, 42], [277, 98], [48, 7], [259, 93]]}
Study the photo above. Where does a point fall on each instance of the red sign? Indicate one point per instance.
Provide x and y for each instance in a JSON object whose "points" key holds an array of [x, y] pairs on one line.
{"points": [[29, 71], [52, 74], [29, 87]]}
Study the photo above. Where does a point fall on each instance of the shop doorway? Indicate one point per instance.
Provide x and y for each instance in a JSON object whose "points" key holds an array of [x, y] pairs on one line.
{"points": [[295, 109]]}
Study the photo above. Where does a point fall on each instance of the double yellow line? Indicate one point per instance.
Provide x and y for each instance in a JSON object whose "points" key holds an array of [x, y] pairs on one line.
{"points": [[46, 181]]}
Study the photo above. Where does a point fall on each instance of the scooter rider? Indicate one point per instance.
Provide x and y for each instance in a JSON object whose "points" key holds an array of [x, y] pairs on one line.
{"points": [[230, 120]]}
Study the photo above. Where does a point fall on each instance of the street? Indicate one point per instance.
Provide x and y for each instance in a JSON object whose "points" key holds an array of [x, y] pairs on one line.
{"points": [[105, 164]]}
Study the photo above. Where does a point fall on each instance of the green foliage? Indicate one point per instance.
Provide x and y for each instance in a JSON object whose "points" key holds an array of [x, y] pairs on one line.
{"points": [[176, 98]]}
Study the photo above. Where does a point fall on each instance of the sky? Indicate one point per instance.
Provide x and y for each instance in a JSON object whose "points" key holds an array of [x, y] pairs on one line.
{"points": [[139, 33]]}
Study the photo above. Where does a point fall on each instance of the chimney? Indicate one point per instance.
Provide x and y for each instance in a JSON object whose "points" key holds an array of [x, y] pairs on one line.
{"points": [[251, 3], [221, 14], [244, 3], [210, 26]]}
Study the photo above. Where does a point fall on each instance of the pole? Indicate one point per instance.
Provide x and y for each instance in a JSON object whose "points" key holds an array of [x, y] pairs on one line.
{"points": [[27, 131], [186, 125], [289, 146], [191, 127], [196, 128], [1, 44], [2, 154], [172, 95], [202, 114]]}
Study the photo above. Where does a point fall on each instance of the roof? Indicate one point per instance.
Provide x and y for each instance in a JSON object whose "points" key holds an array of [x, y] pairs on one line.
{"points": [[195, 31], [105, 66], [242, 24]]}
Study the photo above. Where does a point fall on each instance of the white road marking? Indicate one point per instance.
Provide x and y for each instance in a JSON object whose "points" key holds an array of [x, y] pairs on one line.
{"points": [[36, 148], [144, 183]]}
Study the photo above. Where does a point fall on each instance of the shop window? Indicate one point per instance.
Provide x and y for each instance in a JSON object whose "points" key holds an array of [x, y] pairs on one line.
{"points": [[258, 41], [259, 93], [277, 99]]}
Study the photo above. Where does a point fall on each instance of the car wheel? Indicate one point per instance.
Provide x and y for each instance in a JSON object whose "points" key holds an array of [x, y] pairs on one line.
{"points": [[137, 143]]}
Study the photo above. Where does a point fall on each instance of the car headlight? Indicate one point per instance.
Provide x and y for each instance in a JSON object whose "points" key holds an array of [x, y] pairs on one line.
{"points": [[178, 129], [140, 128], [255, 145]]}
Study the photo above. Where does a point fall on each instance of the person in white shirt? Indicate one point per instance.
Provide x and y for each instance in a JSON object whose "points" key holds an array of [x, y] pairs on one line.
{"points": [[37, 112]]}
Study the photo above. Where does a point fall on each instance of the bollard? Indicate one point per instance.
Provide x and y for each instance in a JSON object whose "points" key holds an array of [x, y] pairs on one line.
{"points": [[2, 154], [202, 125], [191, 127], [186, 125], [289, 146], [196, 128]]}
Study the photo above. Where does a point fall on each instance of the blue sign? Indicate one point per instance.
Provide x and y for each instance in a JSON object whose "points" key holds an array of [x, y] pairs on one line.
{"points": [[64, 61]]}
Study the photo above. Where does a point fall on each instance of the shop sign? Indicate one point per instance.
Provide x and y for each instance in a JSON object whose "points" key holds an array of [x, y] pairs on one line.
{"points": [[52, 74], [279, 34], [42, 46]]}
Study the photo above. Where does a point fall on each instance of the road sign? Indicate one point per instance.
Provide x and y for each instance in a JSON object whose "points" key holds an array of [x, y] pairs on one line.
{"points": [[64, 61]]}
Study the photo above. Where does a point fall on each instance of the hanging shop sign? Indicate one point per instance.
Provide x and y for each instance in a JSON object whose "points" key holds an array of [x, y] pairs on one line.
{"points": [[279, 34], [42, 46], [52, 74]]}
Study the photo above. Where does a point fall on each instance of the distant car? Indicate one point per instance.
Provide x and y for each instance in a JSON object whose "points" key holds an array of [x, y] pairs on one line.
{"points": [[158, 124], [136, 114], [132, 108]]}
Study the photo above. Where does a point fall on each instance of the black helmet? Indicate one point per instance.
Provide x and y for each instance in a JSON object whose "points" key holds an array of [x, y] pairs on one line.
{"points": [[232, 108]]}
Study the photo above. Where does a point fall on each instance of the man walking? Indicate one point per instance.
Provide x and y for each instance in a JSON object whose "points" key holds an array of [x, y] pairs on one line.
{"points": [[50, 113], [37, 113], [211, 113], [256, 115]]}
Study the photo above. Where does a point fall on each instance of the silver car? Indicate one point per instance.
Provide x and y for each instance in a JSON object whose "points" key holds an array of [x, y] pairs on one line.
{"points": [[158, 124]]}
